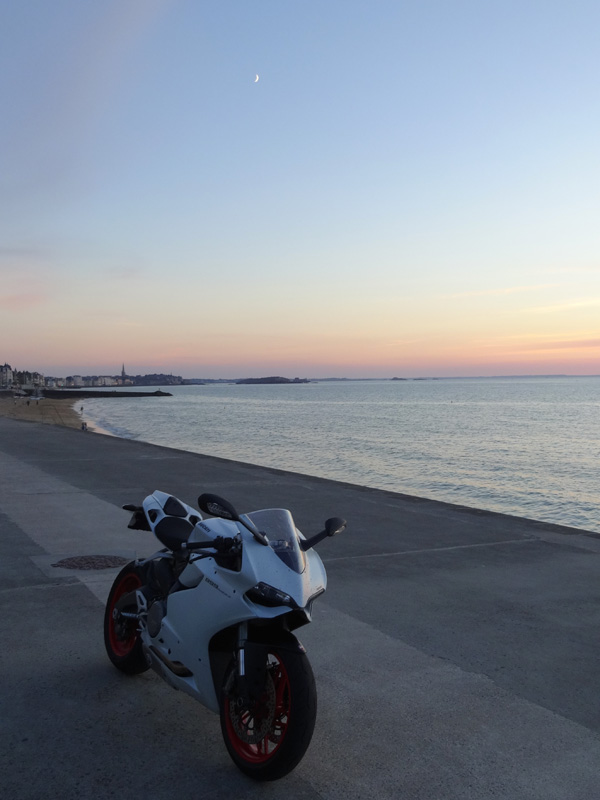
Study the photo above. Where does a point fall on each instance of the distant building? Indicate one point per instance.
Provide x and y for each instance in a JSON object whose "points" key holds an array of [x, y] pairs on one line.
{"points": [[56, 383], [29, 380], [124, 379], [6, 376]]}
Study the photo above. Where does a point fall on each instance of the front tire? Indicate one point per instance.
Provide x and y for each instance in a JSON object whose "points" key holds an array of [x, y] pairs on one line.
{"points": [[267, 738], [121, 635]]}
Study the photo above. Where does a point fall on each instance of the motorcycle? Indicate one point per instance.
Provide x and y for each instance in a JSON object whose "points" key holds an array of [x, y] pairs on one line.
{"points": [[213, 613]]}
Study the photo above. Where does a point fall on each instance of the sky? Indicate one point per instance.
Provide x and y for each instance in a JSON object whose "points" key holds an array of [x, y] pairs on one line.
{"points": [[411, 188]]}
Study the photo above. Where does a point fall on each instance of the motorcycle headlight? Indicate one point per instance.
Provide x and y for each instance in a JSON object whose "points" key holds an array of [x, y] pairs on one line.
{"points": [[264, 595]]}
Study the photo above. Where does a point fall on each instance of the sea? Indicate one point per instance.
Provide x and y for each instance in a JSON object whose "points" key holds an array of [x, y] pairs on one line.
{"points": [[529, 447]]}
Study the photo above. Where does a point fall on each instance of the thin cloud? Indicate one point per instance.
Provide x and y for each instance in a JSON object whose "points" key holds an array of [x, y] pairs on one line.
{"points": [[537, 344], [503, 291], [403, 342], [576, 343], [11, 253], [574, 270], [572, 305], [116, 316], [22, 301]]}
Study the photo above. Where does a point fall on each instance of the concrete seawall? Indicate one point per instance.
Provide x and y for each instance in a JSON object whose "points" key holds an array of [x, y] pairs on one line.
{"points": [[455, 651]]}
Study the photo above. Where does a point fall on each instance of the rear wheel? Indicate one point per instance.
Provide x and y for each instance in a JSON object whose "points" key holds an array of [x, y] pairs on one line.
{"points": [[267, 738], [121, 635]]}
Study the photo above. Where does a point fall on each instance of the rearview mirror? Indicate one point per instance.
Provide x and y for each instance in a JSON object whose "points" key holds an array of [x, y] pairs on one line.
{"points": [[334, 526], [217, 507]]}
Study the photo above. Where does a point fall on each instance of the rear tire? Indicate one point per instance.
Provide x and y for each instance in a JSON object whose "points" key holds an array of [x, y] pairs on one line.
{"points": [[121, 636], [266, 739]]}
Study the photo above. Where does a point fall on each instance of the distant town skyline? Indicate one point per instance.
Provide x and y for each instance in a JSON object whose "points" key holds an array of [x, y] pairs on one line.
{"points": [[409, 189], [18, 378], [87, 377]]}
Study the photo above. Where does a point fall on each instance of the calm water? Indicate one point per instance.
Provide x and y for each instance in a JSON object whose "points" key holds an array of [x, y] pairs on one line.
{"points": [[528, 447]]}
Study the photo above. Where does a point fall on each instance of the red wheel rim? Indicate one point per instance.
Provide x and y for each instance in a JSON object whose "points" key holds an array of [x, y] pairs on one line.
{"points": [[123, 634], [249, 718]]}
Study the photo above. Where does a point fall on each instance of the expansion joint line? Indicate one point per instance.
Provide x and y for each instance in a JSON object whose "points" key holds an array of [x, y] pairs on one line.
{"points": [[430, 550]]}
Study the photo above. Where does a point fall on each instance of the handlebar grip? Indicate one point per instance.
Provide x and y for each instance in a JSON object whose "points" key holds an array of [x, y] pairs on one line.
{"points": [[221, 544], [199, 545]]}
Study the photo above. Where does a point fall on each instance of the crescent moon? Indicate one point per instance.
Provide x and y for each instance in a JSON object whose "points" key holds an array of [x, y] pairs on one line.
{"points": [[256, 79]]}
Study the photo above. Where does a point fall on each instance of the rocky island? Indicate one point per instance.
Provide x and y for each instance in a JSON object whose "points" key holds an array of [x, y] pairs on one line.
{"points": [[274, 379]]}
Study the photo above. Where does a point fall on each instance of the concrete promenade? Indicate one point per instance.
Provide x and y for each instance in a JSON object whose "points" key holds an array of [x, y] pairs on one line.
{"points": [[455, 651]]}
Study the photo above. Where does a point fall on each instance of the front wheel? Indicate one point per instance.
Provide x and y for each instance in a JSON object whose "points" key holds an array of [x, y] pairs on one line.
{"points": [[266, 738], [121, 635]]}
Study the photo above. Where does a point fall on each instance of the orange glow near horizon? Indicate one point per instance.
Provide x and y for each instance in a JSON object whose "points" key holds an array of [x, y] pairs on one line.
{"points": [[310, 356]]}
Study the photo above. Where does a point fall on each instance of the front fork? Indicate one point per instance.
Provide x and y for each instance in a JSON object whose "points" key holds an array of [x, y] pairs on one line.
{"points": [[250, 673], [242, 640]]}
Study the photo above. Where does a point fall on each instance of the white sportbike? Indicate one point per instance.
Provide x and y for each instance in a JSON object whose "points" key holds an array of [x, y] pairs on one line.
{"points": [[213, 613]]}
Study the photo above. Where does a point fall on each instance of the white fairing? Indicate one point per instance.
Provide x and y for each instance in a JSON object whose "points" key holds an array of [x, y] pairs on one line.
{"points": [[215, 596]]}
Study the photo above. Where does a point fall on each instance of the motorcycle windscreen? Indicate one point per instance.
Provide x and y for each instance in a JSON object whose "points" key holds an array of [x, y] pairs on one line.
{"points": [[278, 526]]}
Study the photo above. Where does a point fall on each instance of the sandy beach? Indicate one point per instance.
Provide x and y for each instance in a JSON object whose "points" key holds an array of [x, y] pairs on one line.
{"points": [[50, 412]]}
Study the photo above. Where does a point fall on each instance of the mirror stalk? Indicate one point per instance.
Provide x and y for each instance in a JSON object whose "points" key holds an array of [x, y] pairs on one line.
{"points": [[333, 526]]}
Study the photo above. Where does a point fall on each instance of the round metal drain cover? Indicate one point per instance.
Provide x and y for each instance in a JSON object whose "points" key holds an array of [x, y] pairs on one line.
{"points": [[91, 562]]}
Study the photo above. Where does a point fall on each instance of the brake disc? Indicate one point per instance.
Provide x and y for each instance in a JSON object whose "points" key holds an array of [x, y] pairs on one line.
{"points": [[252, 721]]}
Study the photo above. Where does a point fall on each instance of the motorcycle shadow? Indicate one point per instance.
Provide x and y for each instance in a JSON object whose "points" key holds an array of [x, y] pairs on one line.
{"points": [[171, 745]]}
